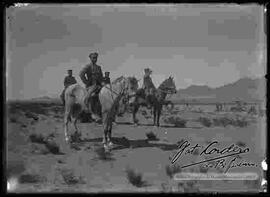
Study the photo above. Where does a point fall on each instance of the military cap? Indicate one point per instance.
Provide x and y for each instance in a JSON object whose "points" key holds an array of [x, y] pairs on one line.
{"points": [[147, 70], [93, 54]]}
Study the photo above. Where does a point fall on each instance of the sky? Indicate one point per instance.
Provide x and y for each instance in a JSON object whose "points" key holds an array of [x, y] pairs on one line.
{"points": [[197, 44]]}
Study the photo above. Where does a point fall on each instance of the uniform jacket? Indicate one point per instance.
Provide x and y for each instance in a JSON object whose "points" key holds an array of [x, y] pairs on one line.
{"points": [[91, 75], [147, 83], [69, 81]]}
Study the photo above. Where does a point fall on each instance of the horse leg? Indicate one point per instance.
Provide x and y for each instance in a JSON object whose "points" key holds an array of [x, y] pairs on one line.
{"points": [[158, 114], [105, 128], [66, 121], [135, 110], [109, 134], [77, 132], [155, 115]]}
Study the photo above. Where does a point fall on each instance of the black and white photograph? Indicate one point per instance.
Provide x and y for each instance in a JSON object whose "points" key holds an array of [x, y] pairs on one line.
{"points": [[135, 98]]}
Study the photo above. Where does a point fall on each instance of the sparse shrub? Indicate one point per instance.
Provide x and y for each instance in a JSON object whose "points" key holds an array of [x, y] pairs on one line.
{"points": [[223, 121], [241, 144], [23, 125], [176, 121], [151, 136], [31, 115], [39, 149], [75, 137], [252, 183], [135, 178], [13, 119], [37, 138], [70, 178], [205, 121], [190, 186], [171, 170], [52, 146], [203, 169], [240, 122], [31, 178]]}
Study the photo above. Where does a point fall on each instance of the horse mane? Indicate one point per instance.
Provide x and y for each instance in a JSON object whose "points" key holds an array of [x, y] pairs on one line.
{"points": [[162, 84], [132, 80], [118, 79]]}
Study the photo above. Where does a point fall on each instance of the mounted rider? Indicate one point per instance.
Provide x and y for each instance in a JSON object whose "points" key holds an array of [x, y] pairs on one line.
{"points": [[107, 79], [148, 86], [91, 75], [69, 80]]}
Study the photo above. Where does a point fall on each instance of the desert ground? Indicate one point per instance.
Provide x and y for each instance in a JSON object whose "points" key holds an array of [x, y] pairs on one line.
{"points": [[39, 160]]}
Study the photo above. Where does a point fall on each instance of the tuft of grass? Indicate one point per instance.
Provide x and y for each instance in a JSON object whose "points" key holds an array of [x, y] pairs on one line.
{"points": [[151, 136], [171, 170], [176, 121], [205, 121], [135, 178]]}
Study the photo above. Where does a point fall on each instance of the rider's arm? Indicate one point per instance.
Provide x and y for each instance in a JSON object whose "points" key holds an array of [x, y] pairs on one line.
{"points": [[82, 75], [74, 80], [66, 82]]}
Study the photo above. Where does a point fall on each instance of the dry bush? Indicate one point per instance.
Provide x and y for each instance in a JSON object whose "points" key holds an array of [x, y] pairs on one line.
{"points": [[241, 122], [52, 146], [222, 121], [70, 178], [254, 184], [135, 178], [171, 170], [241, 144], [13, 119], [37, 138], [191, 187], [225, 121], [32, 115], [176, 121], [31, 178], [205, 121], [151, 136]]}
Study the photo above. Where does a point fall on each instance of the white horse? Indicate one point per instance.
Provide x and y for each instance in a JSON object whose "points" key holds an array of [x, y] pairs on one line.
{"points": [[113, 98]]}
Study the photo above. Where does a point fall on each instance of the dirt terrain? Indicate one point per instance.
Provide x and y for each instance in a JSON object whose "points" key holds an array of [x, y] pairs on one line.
{"points": [[39, 160]]}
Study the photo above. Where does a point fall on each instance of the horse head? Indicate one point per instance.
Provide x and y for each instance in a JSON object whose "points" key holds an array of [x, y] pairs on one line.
{"points": [[128, 88], [168, 86]]}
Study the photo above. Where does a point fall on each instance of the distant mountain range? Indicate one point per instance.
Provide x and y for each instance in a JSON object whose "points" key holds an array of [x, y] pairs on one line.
{"points": [[245, 89]]}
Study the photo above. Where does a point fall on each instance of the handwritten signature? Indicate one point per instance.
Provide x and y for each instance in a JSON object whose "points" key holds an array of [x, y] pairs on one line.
{"points": [[233, 150]]}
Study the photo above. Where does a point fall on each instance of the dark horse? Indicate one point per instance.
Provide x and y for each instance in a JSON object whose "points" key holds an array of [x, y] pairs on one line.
{"points": [[157, 100]]}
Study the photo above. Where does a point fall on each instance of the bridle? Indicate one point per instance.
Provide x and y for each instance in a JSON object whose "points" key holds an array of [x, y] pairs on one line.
{"points": [[122, 92]]}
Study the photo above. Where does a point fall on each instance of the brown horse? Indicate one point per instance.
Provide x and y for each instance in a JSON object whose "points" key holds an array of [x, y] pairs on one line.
{"points": [[157, 100], [113, 98]]}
